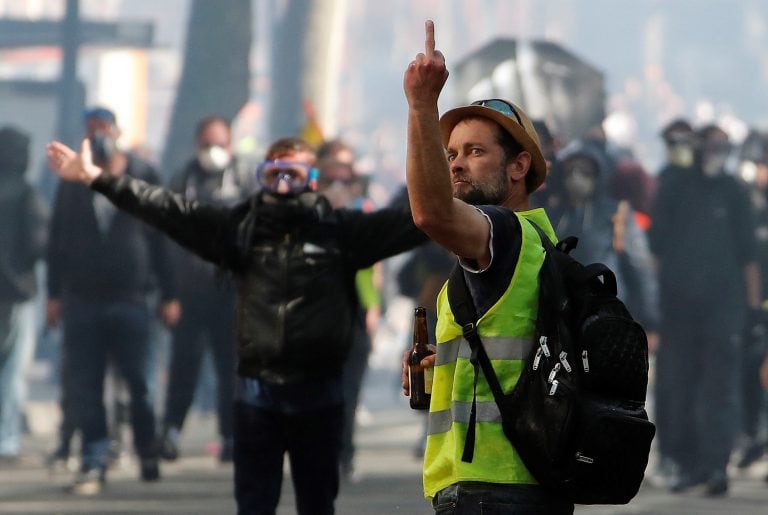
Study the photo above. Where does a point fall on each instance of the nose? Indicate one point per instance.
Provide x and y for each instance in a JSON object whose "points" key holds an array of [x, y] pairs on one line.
{"points": [[457, 165], [283, 186]]}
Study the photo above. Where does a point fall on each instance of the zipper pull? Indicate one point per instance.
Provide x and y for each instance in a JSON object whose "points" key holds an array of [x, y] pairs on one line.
{"points": [[544, 347], [554, 372], [564, 361], [537, 359], [553, 389], [585, 360]]}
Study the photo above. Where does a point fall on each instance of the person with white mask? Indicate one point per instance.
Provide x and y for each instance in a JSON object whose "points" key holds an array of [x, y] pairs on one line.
{"points": [[213, 177]]}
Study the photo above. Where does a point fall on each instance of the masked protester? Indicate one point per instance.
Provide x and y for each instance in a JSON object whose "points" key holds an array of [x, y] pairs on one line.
{"points": [[294, 259], [679, 145], [704, 241], [213, 176], [607, 229], [102, 268], [23, 234], [753, 170]]}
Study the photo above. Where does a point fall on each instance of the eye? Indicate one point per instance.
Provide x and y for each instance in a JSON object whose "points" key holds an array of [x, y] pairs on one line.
{"points": [[476, 151], [450, 156]]}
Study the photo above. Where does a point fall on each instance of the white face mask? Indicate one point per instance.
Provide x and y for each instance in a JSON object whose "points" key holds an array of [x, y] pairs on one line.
{"points": [[214, 158], [713, 164], [580, 185], [680, 155]]}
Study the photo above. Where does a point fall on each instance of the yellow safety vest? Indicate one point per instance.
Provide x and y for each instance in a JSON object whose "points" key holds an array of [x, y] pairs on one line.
{"points": [[507, 330]]}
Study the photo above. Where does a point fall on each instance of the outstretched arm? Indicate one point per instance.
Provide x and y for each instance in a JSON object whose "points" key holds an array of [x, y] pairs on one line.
{"points": [[205, 230], [452, 223]]}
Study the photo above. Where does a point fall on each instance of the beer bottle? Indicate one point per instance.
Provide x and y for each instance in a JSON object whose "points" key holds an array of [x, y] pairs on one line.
{"points": [[420, 379]]}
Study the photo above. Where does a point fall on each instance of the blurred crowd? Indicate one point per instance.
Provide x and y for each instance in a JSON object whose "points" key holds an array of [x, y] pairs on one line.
{"points": [[688, 244]]}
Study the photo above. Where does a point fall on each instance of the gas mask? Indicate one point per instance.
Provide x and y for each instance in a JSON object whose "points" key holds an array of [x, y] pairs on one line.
{"points": [[103, 147], [213, 158], [579, 183], [680, 154]]}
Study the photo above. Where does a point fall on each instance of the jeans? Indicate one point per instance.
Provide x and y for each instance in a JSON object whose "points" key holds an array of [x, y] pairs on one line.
{"points": [[495, 499], [17, 345], [203, 324], [311, 439], [97, 333]]}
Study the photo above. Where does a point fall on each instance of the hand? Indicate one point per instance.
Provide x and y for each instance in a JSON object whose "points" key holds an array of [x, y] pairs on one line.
{"points": [[71, 166], [372, 318], [170, 312], [428, 362], [53, 312], [426, 74]]}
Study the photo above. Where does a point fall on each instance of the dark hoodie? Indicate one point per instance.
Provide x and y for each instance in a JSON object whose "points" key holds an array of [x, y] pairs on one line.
{"points": [[593, 225], [23, 220]]}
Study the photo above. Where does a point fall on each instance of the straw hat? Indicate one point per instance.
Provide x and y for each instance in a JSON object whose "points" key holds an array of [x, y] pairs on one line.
{"points": [[512, 119]]}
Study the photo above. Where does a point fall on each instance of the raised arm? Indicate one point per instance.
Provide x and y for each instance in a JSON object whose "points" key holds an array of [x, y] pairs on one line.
{"points": [[206, 231], [452, 223]]}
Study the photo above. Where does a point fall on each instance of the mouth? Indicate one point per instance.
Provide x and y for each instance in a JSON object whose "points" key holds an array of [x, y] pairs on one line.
{"points": [[459, 180]]}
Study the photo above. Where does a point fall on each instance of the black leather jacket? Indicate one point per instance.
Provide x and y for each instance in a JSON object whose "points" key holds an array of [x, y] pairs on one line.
{"points": [[295, 264]]}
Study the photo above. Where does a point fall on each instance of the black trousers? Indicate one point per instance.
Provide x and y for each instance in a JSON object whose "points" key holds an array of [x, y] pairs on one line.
{"points": [[698, 373], [207, 324], [311, 440]]}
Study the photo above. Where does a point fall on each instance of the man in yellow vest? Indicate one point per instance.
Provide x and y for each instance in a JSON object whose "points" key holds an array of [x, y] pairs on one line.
{"points": [[469, 176]]}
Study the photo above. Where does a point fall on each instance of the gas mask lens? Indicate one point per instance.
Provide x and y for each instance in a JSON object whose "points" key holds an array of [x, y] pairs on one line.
{"points": [[286, 177]]}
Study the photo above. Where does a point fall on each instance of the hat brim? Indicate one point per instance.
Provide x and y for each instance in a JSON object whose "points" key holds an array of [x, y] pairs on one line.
{"points": [[451, 118]]}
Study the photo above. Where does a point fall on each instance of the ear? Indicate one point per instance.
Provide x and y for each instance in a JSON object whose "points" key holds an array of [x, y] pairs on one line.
{"points": [[518, 168]]}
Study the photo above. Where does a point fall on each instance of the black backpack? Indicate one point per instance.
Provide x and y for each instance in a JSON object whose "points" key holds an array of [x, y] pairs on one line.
{"points": [[577, 414]]}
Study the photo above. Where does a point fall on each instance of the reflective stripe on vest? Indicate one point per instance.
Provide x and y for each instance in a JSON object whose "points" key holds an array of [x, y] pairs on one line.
{"points": [[496, 347], [507, 331]]}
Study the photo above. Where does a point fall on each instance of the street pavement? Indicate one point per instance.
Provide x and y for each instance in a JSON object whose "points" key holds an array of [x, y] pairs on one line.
{"points": [[386, 480]]}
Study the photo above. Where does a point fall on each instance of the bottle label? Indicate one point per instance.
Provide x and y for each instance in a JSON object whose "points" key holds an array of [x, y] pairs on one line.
{"points": [[428, 374]]}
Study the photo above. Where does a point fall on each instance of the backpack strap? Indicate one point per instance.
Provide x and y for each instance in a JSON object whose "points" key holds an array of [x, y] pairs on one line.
{"points": [[465, 314]]}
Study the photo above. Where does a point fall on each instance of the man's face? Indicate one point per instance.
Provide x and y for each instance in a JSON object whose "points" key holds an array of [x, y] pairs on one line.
{"points": [[95, 125], [287, 171], [714, 154], [216, 134], [579, 178], [477, 163], [337, 183], [214, 151]]}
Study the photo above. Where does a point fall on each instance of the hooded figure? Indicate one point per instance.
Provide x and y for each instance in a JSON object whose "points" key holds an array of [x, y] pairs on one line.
{"points": [[23, 220], [606, 229], [23, 234]]}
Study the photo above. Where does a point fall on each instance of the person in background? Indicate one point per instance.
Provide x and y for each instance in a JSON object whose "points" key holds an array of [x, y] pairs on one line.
{"points": [[207, 321], [680, 147], [102, 266], [341, 185], [753, 170], [470, 174], [703, 238], [607, 230], [294, 259], [23, 237]]}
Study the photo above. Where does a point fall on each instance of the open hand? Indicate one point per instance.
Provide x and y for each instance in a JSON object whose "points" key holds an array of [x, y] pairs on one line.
{"points": [[426, 74], [71, 166]]}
